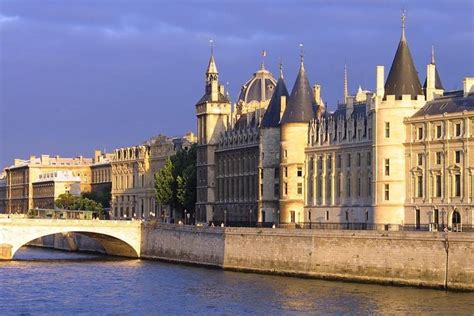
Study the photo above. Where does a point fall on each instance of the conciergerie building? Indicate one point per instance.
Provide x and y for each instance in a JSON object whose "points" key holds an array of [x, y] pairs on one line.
{"points": [[398, 156]]}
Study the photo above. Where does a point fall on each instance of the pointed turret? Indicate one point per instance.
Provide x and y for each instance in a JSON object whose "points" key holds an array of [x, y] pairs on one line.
{"points": [[211, 67], [300, 107], [403, 77], [438, 84], [277, 104]]}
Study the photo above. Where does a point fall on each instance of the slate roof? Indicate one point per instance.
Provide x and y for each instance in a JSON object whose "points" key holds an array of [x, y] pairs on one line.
{"points": [[207, 98], [403, 77], [438, 84], [272, 114], [453, 102], [300, 105], [258, 88]]}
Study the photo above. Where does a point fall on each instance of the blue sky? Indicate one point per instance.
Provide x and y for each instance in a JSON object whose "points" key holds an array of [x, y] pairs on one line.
{"points": [[80, 75]]}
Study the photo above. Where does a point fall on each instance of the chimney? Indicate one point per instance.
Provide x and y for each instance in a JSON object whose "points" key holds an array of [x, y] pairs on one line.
{"points": [[430, 81], [97, 154], [32, 159], [380, 81], [221, 89], [17, 162], [468, 86], [317, 93], [45, 159], [282, 105]]}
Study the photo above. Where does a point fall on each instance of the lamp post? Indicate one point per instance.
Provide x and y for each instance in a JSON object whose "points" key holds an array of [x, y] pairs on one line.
{"points": [[278, 216], [225, 218], [250, 217], [185, 211], [188, 215]]}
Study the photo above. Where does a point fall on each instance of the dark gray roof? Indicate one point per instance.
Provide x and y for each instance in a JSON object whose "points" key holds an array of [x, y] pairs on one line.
{"points": [[403, 77], [207, 98], [438, 84], [272, 114], [452, 102], [300, 105], [258, 88]]}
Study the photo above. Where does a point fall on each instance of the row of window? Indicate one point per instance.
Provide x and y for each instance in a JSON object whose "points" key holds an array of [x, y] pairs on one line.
{"points": [[418, 186], [457, 131], [349, 158]]}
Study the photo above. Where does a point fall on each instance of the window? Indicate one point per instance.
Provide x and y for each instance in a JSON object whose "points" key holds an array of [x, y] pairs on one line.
{"points": [[286, 153], [387, 192], [420, 133], [358, 187], [457, 129], [436, 216], [300, 188], [420, 186], [369, 187], [358, 160], [286, 171], [329, 162], [292, 216], [338, 161], [276, 173], [387, 129], [420, 159], [327, 215], [299, 172], [276, 189], [261, 189], [369, 158], [348, 187], [438, 131], [438, 186], [438, 158], [457, 189], [261, 173], [347, 216], [370, 133], [387, 167], [458, 156], [348, 160], [286, 188], [338, 187]]}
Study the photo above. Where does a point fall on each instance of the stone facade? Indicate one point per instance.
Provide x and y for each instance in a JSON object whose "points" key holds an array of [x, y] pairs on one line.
{"points": [[3, 192], [50, 186], [21, 176], [101, 171], [297, 163], [133, 177]]}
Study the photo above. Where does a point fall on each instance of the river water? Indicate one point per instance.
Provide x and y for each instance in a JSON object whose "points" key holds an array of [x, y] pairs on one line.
{"points": [[42, 281]]}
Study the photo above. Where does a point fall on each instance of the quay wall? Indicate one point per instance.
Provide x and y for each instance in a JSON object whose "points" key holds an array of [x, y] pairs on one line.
{"points": [[425, 259]]}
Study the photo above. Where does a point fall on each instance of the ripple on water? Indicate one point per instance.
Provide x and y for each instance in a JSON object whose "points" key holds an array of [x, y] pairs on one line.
{"points": [[51, 282]]}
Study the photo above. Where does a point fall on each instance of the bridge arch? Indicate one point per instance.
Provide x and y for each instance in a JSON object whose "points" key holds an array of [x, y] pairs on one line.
{"points": [[112, 245], [120, 238]]}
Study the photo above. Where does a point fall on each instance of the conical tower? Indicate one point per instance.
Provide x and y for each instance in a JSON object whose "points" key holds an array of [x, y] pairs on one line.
{"points": [[293, 140], [269, 147]]}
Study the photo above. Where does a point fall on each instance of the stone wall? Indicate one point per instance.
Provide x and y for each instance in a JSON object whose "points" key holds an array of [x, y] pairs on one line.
{"points": [[403, 258]]}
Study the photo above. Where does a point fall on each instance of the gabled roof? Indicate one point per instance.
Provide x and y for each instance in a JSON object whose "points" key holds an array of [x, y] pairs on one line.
{"points": [[300, 105], [272, 114], [403, 77]]}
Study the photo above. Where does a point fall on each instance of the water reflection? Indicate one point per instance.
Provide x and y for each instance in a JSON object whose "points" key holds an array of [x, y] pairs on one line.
{"points": [[86, 283]]}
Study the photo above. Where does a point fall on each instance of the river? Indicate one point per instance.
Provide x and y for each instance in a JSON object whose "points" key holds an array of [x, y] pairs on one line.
{"points": [[43, 281]]}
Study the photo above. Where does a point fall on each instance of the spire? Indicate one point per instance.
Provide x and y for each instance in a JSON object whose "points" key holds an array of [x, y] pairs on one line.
{"points": [[432, 55], [300, 108], [403, 38], [403, 77], [211, 67], [272, 114], [264, 54], [346, 94], [281, 69], [302, 56]]}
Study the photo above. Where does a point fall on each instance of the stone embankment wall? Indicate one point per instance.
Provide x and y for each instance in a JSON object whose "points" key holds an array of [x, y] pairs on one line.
{"points": [[402, 258], [68, 242]]}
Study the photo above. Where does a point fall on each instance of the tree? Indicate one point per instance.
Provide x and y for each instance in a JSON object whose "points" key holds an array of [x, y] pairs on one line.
{"points": [[66, 201], [71, 202], [164, 183]]}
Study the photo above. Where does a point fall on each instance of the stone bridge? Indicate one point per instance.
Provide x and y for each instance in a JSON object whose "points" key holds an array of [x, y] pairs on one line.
{"points": [[120, 238]]}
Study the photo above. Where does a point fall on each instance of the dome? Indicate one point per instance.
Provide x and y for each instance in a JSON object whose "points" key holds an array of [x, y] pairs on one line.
{"points": [[259, 88]]}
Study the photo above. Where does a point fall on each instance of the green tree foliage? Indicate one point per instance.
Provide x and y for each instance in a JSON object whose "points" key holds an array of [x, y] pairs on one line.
{"points": [[175, 183], [102, 197], [164, 183], [68, 201]]}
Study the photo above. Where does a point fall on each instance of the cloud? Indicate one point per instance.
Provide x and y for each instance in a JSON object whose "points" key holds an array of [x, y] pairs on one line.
{"points": [[5, 20]]}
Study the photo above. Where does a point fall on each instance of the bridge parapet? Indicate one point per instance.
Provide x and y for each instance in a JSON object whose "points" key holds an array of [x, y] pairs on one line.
{"points": [[122, 238]]}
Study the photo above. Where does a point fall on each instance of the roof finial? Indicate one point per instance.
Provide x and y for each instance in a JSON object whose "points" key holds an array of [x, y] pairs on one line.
{"points": [[281, 69], [211, 44], [345, 83], [301, 53], [404, 11], [432, 55], [264, 54]]}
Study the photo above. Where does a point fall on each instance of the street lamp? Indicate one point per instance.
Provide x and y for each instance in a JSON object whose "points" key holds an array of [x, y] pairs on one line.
{"points": [[188, 216], [250, 216], [185, 211], [225, 218]]}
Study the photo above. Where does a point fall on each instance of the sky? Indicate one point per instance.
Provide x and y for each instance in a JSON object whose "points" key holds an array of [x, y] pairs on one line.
{"points": [[82, 75]]}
